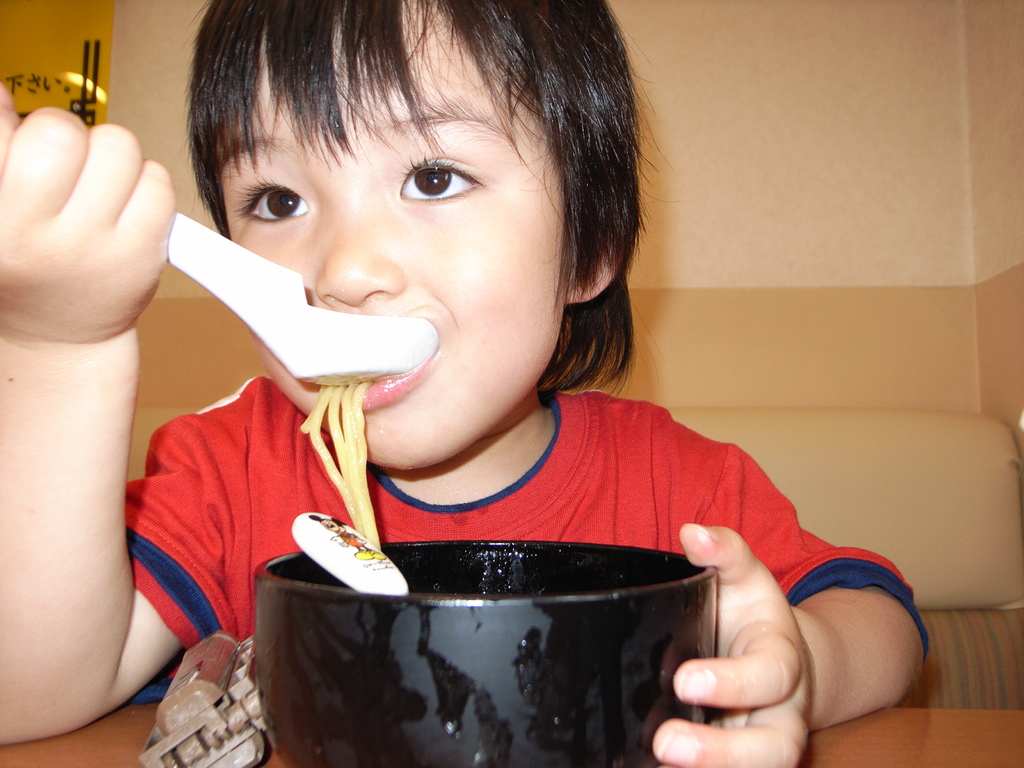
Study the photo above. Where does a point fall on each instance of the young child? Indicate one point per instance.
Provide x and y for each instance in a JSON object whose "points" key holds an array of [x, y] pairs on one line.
{"points": [[471, 163]]}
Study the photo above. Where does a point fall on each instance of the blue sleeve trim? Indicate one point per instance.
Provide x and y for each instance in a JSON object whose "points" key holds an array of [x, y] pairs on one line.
{"points": [[176, 582], [153, 693], [851, 573]]}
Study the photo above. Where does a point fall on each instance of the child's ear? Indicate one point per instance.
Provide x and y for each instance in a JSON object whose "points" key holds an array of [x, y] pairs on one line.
{"points": [[578, 294]]}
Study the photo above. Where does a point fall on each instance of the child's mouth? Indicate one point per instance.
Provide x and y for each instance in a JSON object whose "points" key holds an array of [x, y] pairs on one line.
{"points": [[386, 391]]}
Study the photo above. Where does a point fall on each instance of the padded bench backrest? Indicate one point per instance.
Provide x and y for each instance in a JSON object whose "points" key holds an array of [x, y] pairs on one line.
{"points": [[938, 493]]}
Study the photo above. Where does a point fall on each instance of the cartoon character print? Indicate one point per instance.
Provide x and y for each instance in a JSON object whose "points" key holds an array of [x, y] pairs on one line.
{"points": [[347, 537]]}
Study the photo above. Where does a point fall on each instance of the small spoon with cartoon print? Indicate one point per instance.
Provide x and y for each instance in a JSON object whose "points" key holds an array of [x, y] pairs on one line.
{"points": [[345, 554], [315, 344]]}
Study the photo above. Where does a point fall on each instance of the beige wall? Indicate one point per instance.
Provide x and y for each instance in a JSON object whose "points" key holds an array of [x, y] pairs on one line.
{"points": [[831, 142], [1001, 345], [148, 85], [805, 143], [889, 347], [837, 210], [836, 194], [994, 30]]}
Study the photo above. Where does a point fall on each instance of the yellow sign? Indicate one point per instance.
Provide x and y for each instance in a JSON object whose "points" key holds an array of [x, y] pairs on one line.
{"points": [[56, 53]]}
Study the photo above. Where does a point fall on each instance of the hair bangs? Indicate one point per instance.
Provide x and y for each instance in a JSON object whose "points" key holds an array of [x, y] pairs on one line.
{"points": [[331, 66]]}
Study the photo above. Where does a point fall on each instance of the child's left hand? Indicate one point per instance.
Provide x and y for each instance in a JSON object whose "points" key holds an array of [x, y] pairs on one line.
{"points": [[762, 677]]}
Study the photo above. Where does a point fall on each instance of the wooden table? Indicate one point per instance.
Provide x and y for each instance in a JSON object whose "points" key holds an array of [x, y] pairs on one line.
{"points": [[893, 738], [921, 738]]}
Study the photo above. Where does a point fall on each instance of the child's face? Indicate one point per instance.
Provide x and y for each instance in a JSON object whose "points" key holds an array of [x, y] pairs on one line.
{"points": [[462, 228]]}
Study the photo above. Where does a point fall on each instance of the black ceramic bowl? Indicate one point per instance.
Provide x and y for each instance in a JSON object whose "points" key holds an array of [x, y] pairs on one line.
{"points": [[505, 655]]}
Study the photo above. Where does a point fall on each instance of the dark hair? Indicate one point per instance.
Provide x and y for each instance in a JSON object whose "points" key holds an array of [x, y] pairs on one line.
{"points": [[561, 62]]}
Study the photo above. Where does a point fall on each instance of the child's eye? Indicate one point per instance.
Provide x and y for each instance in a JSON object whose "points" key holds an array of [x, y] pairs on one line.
{"points": [[277, 204], [435, 182]]}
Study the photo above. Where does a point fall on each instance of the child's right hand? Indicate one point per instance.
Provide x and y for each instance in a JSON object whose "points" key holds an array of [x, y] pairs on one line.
{"points": [[84, 221], [83, 231]]}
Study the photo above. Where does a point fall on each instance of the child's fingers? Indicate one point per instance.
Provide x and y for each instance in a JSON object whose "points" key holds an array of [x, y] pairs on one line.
{"points": [[759, 644], [44, 157], [146, 220], [763, 669], [726, 550], [122, 191], [774, 744], [108, 179], [150, 208]]}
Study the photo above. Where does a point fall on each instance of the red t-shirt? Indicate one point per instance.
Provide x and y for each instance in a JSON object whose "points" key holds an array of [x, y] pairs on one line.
{"points": [[223, 486]]}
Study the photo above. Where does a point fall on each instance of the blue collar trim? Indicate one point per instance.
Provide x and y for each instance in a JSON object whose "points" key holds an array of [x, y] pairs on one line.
{"points": [[447, 509]]}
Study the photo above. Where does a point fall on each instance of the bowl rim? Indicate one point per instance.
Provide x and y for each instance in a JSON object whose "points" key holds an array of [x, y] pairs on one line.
{"points": [[433, 599]]}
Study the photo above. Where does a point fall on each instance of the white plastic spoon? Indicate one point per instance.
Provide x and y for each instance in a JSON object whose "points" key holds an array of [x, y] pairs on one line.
{"points": [[315, 344], [341, 551]]}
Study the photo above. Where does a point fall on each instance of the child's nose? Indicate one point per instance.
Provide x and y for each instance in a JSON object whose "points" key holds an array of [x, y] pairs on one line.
{"points": [[358, 266]]}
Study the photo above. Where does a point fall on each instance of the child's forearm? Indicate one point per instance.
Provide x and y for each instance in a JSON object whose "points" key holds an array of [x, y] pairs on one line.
{"points": [[66, 592], [865, 650]]}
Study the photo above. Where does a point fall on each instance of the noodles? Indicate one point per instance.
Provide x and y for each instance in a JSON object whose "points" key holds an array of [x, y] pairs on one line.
{"points": [[343, 407]]}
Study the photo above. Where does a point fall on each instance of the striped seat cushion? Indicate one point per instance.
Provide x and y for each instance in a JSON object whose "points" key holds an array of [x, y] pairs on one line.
{"points": [[976, 660]]}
